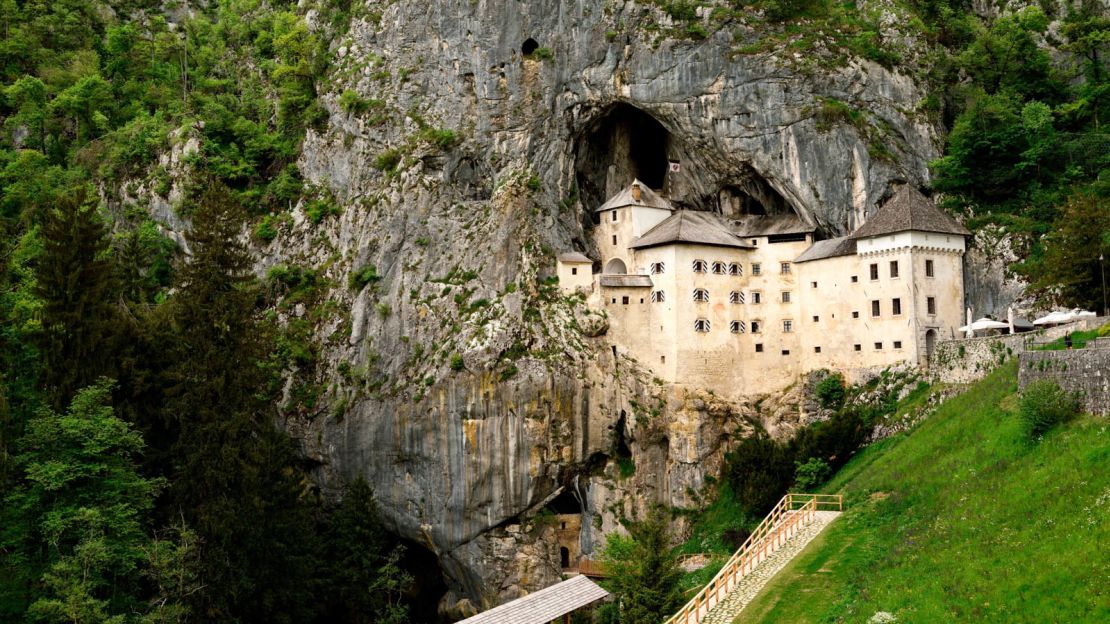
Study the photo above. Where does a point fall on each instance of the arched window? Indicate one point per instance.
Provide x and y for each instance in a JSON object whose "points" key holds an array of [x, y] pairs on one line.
{"points": [[736, 296], [701, 266], [737, 327], [701, 295], [616, 266], [701, 326], [719, 268], [657, 268], [735, 269], [657, 296]]}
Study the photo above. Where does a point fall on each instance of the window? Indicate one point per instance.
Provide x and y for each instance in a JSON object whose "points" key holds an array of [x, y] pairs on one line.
{"points": [[574, 270], [786, 351], [719, 268], [756, 268], [735, 269], [875, 308], [701, 295], [736, 297], [662, 359], [929, 271], [814, 284], [756, 327], [614, 239], [736, 327], [784, 268], [614, 299], [858, 347], [878, 346], [897, 344], [855, 279], [816, 349], [701, 326], [894, 268], [896, 306], [874, 271], [701, 266], [816, 319], [641, 299], [656, 268], [657, 296], [759, 347], [786, 296], [757, 297], [787, 327], [855, 314], [931, 305], [624, 300], [614, 216]]}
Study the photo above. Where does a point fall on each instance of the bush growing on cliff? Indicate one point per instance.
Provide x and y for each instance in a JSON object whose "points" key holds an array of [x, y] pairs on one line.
{"points": [[830, 392], [1044, 404]]}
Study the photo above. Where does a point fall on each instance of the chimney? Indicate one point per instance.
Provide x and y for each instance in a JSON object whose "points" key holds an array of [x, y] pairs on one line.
{"points": [[635, 192]]}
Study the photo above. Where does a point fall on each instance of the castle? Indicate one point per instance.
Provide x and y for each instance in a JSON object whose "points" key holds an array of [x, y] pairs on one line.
{"points": [[744, 306]]}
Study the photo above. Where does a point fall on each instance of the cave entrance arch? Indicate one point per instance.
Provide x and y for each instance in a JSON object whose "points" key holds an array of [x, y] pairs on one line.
{"points": [[623, 144], [568, 526]]}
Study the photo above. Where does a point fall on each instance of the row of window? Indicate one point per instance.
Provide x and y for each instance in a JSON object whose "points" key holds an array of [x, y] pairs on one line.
{"points": [[701, 295], [930, 270], [721, 268]]}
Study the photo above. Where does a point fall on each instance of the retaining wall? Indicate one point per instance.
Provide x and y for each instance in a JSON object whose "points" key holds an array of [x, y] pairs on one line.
{"points": [[1084, 370]]}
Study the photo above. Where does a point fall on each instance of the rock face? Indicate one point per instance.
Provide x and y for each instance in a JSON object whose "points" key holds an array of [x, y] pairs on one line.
{"points": [[457, 380]]}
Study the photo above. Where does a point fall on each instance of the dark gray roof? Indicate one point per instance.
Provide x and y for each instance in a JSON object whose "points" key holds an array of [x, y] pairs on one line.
{"points": [[690, 226], [767, 225], [545, 605], [909, 210], [574, 257], [626, 281], [831, 248], [648, 199]]}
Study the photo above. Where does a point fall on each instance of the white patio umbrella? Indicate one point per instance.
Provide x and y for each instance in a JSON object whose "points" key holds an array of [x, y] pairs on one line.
{"points": [[1053, 318], [984, 324]]}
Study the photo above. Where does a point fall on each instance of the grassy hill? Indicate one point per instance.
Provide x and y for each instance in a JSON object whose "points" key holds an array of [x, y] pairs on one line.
{"points": [[962, 520]]}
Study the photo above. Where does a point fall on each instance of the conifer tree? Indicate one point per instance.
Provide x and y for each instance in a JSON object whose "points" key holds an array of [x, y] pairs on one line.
{"points": [[644, 574], [355, 549]]}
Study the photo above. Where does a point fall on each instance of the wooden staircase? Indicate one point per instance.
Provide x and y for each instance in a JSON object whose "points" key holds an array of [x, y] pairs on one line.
{"points": [[788, 517]]}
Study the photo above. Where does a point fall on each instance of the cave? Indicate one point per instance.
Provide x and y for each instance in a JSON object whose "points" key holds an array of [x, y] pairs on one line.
{"points": [[568, 528], [751, 195], [428, 586], [622, 144], [529, 46]]}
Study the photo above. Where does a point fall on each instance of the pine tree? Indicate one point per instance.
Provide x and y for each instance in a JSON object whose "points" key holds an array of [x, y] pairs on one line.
{"points": [[75, 280], [355, 549], [644, 574]]}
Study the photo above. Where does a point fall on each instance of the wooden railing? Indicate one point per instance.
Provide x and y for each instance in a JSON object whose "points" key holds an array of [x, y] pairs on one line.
{"points": [[588, 567], [788, 517]]}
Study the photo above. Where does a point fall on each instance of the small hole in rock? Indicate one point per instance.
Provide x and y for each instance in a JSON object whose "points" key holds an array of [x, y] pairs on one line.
{"points": [[529, 46]]}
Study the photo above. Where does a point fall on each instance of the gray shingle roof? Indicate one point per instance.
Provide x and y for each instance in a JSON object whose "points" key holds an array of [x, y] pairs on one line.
{"points": [[767, 225], [648, 199], [909, 210], [543, 606], [690, 226], [574, 257], [831, 248], [626, 281]]}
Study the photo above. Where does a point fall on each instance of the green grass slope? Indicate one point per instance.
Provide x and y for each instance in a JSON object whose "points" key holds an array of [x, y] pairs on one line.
{"points": [[962, 520]]}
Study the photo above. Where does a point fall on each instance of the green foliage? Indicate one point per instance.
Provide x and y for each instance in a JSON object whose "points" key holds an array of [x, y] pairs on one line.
{"points": [[543, 54], [1071, 272], [759, 471], [388, 160], [1044, 405], [643, 571], [812, 473], [441, 138], [318, 209], [626, 466], [457, 363], [266, 230], [831, 392], [363, 277]]}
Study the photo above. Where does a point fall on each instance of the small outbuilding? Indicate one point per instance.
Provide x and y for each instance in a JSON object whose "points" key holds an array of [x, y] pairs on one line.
{"points": [[575, 271]]}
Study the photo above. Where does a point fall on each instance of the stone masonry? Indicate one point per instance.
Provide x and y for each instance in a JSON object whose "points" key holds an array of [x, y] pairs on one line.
{"points": [[1086, 371]]}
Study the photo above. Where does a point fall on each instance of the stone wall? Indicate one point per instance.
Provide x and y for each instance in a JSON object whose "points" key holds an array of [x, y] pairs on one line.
{"points": [[965, 360], [1084, 370]]}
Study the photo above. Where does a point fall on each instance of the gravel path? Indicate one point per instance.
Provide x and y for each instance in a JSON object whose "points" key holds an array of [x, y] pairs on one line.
{"points": [[750, 586]]}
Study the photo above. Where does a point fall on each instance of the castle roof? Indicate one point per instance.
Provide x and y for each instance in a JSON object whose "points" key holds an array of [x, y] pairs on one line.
{"points": [[690, 226], [574, 257], [648, 199], [769, 225], [909, 210], [831, 248], [626, 281]]}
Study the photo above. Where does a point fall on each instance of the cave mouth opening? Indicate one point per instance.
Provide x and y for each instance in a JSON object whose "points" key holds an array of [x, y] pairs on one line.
{"points": [[428, 585], [751, 195], [529, 46], [565, 503], [623, 144]]}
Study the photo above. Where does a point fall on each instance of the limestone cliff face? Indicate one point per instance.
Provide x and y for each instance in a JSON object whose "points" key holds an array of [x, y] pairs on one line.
{"points": [[457, 380]]}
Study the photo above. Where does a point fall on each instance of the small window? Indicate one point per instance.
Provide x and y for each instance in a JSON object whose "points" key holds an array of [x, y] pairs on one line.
{"points": [[736, 297], [757, 298], [931, 305], [813, 284], [786, 351], [897, 344], [816, 319], [614, 299], [757, 269], [755, 241], [624, 300], [816, 349], [878, 346], [787, 327], [574, 270], [855, 279], [614, 239], [641, 299], [614, 216], [786, 296], [855, 314], [736, 327], [719, 268], [662, 359], [896, 306], [758, 346], [857, 347], [735, 269], [701, 295], [894, 268], [874, 271], [701, 326], [875, 308], [756, 328], [784, 268], [929, 270], [657, 268], [657, 296], [701, 266]]}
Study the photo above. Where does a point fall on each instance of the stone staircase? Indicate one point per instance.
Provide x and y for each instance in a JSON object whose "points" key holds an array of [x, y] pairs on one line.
{"points": [[786, 530]]}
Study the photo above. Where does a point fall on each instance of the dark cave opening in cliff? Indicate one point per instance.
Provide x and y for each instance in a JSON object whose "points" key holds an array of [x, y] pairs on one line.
{"points": [[623, 144], [565, 503], [428, 586], [751, 194]]}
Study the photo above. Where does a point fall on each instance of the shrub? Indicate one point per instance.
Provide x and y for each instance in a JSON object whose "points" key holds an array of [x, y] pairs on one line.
{"points": [[759, 471], [1044, 404], [266, 230], [367, 274], [457, 363], [830, 392], [441, 138], [543, 54], [388, 160], [317, 209], [384, 310], [1104, 331], [811, 474]]}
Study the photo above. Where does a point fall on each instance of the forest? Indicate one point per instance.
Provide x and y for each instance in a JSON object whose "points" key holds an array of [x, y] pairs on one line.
{"points": [[144, 472]]}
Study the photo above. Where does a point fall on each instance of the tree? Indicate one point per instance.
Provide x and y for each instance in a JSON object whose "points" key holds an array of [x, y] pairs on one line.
{"points": [[77, 519], [1071, 273], [644, 574], [355, 547], [76, 283]]}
